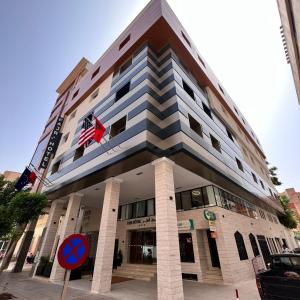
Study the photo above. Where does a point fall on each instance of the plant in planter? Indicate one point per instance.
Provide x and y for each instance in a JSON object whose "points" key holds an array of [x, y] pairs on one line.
{"points": [[42, 264]]}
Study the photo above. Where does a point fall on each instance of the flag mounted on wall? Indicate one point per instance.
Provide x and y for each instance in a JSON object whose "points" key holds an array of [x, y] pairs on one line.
{"points": [[26, 177], [92, 129]]}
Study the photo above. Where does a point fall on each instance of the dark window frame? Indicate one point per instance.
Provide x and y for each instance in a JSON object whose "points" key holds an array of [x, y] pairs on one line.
{"points": [[195, 126], [95, 73], [186, 39], [240, 244], [124, 42], [207, 110], [116, 131], [121, 92], [239, 164], [79, 152], [215, 143], [254, 245], [188, 89]]}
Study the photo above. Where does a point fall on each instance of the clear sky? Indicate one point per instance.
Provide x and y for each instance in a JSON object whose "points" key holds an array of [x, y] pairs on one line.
{"points": [[41, 41]]}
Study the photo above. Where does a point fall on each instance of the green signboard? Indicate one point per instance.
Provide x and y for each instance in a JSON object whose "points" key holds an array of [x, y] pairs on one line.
{"points": [[209, 215]]}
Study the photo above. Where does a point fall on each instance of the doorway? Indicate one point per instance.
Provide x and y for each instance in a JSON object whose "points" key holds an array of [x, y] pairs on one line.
{"points": [[214, 255], [264, 248], [142, 247]]}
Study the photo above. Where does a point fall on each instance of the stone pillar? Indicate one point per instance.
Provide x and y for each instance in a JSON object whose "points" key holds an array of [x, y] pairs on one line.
{"points": [[24, 247], [50, 231], [169, 278], [106, 240], [68, 227]]}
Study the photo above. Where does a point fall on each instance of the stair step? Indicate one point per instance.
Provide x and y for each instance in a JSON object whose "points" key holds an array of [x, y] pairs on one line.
{"points": [[135, 272]]}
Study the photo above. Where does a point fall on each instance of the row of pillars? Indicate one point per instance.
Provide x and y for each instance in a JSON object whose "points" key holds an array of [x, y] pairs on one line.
{"points": [[169, 278]]}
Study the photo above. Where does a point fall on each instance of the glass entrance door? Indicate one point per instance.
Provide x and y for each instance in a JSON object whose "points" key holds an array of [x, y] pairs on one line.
{"points": [[142, 247]]}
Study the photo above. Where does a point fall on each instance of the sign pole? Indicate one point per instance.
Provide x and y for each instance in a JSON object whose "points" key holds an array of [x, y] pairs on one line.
{"points": [[66, 283], [68, 271]]}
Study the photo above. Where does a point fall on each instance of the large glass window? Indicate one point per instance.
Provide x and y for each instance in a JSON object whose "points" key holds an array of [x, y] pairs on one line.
{"points": [[197, 199], [186, 247], [186, 200], [140, 209], [178, 201], [240, 246], [150, 207]]}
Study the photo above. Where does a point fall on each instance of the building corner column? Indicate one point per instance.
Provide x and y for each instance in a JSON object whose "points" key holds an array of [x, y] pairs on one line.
{"points": [[169, 277], [56, 210], [106, 241], [68, 227]]}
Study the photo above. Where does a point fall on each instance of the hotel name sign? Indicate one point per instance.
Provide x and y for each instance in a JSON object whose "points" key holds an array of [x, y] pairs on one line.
{"points": [[52, 144]]}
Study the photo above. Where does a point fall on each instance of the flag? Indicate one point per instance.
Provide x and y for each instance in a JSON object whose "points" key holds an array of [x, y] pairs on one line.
{"points": [[91, 130], [87, 132], [26, 177], [32, 178], [99, 130]]}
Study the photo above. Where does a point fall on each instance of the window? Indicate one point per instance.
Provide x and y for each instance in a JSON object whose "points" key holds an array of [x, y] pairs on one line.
{"points": [[150, 207], [186, 247], [239, 164], [207, 110], [95, 95], [145, 208], [254, 244], [186, 200], [78, 153], [243, 121], [186, 39], [221, 89], [125, 66], [140, 209], [195, 126], [73, 114], [95, 72], [118, 127], [262, 214], [240, 246], [215, 143], [55, 167], [65, 138], [75, 94], [201, 60], [178, 201], [270, 191], [125, 41], [236, 110], [254, 177], [229, 134], [122, 91], [262, 184], [197, 199], [187, 88]]}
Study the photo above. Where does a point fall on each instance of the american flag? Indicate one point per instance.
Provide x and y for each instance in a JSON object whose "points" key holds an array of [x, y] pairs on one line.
{"points": [[87, 131]]}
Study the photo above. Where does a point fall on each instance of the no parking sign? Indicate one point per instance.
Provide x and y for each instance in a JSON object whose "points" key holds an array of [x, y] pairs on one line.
{"points": [[73, 251]]}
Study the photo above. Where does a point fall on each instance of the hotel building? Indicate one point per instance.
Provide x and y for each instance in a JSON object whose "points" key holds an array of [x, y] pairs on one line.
{"points": [[179, 185]]}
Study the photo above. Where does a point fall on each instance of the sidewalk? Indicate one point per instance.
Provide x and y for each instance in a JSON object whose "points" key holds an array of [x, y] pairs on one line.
{"points": [[25, 288]]}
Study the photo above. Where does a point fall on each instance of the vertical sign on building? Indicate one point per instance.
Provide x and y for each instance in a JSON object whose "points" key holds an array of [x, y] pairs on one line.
{"points": [[53, 143]]}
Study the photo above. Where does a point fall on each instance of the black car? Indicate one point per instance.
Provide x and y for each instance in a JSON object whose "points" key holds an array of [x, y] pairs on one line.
{"points": [[282, 280], [296, 250]]}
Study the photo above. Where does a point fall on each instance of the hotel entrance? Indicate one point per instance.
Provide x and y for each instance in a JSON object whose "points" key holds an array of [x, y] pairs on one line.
{"points": [[142, 247]]}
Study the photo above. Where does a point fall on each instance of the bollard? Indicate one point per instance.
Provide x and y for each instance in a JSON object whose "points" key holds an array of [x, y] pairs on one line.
{"points": [[237, 294]]}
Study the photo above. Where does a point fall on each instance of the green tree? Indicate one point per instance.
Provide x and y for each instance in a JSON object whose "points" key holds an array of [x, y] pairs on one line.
{"points": [[288, 219], [7, 192], [21, 209], [273, 175]]}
